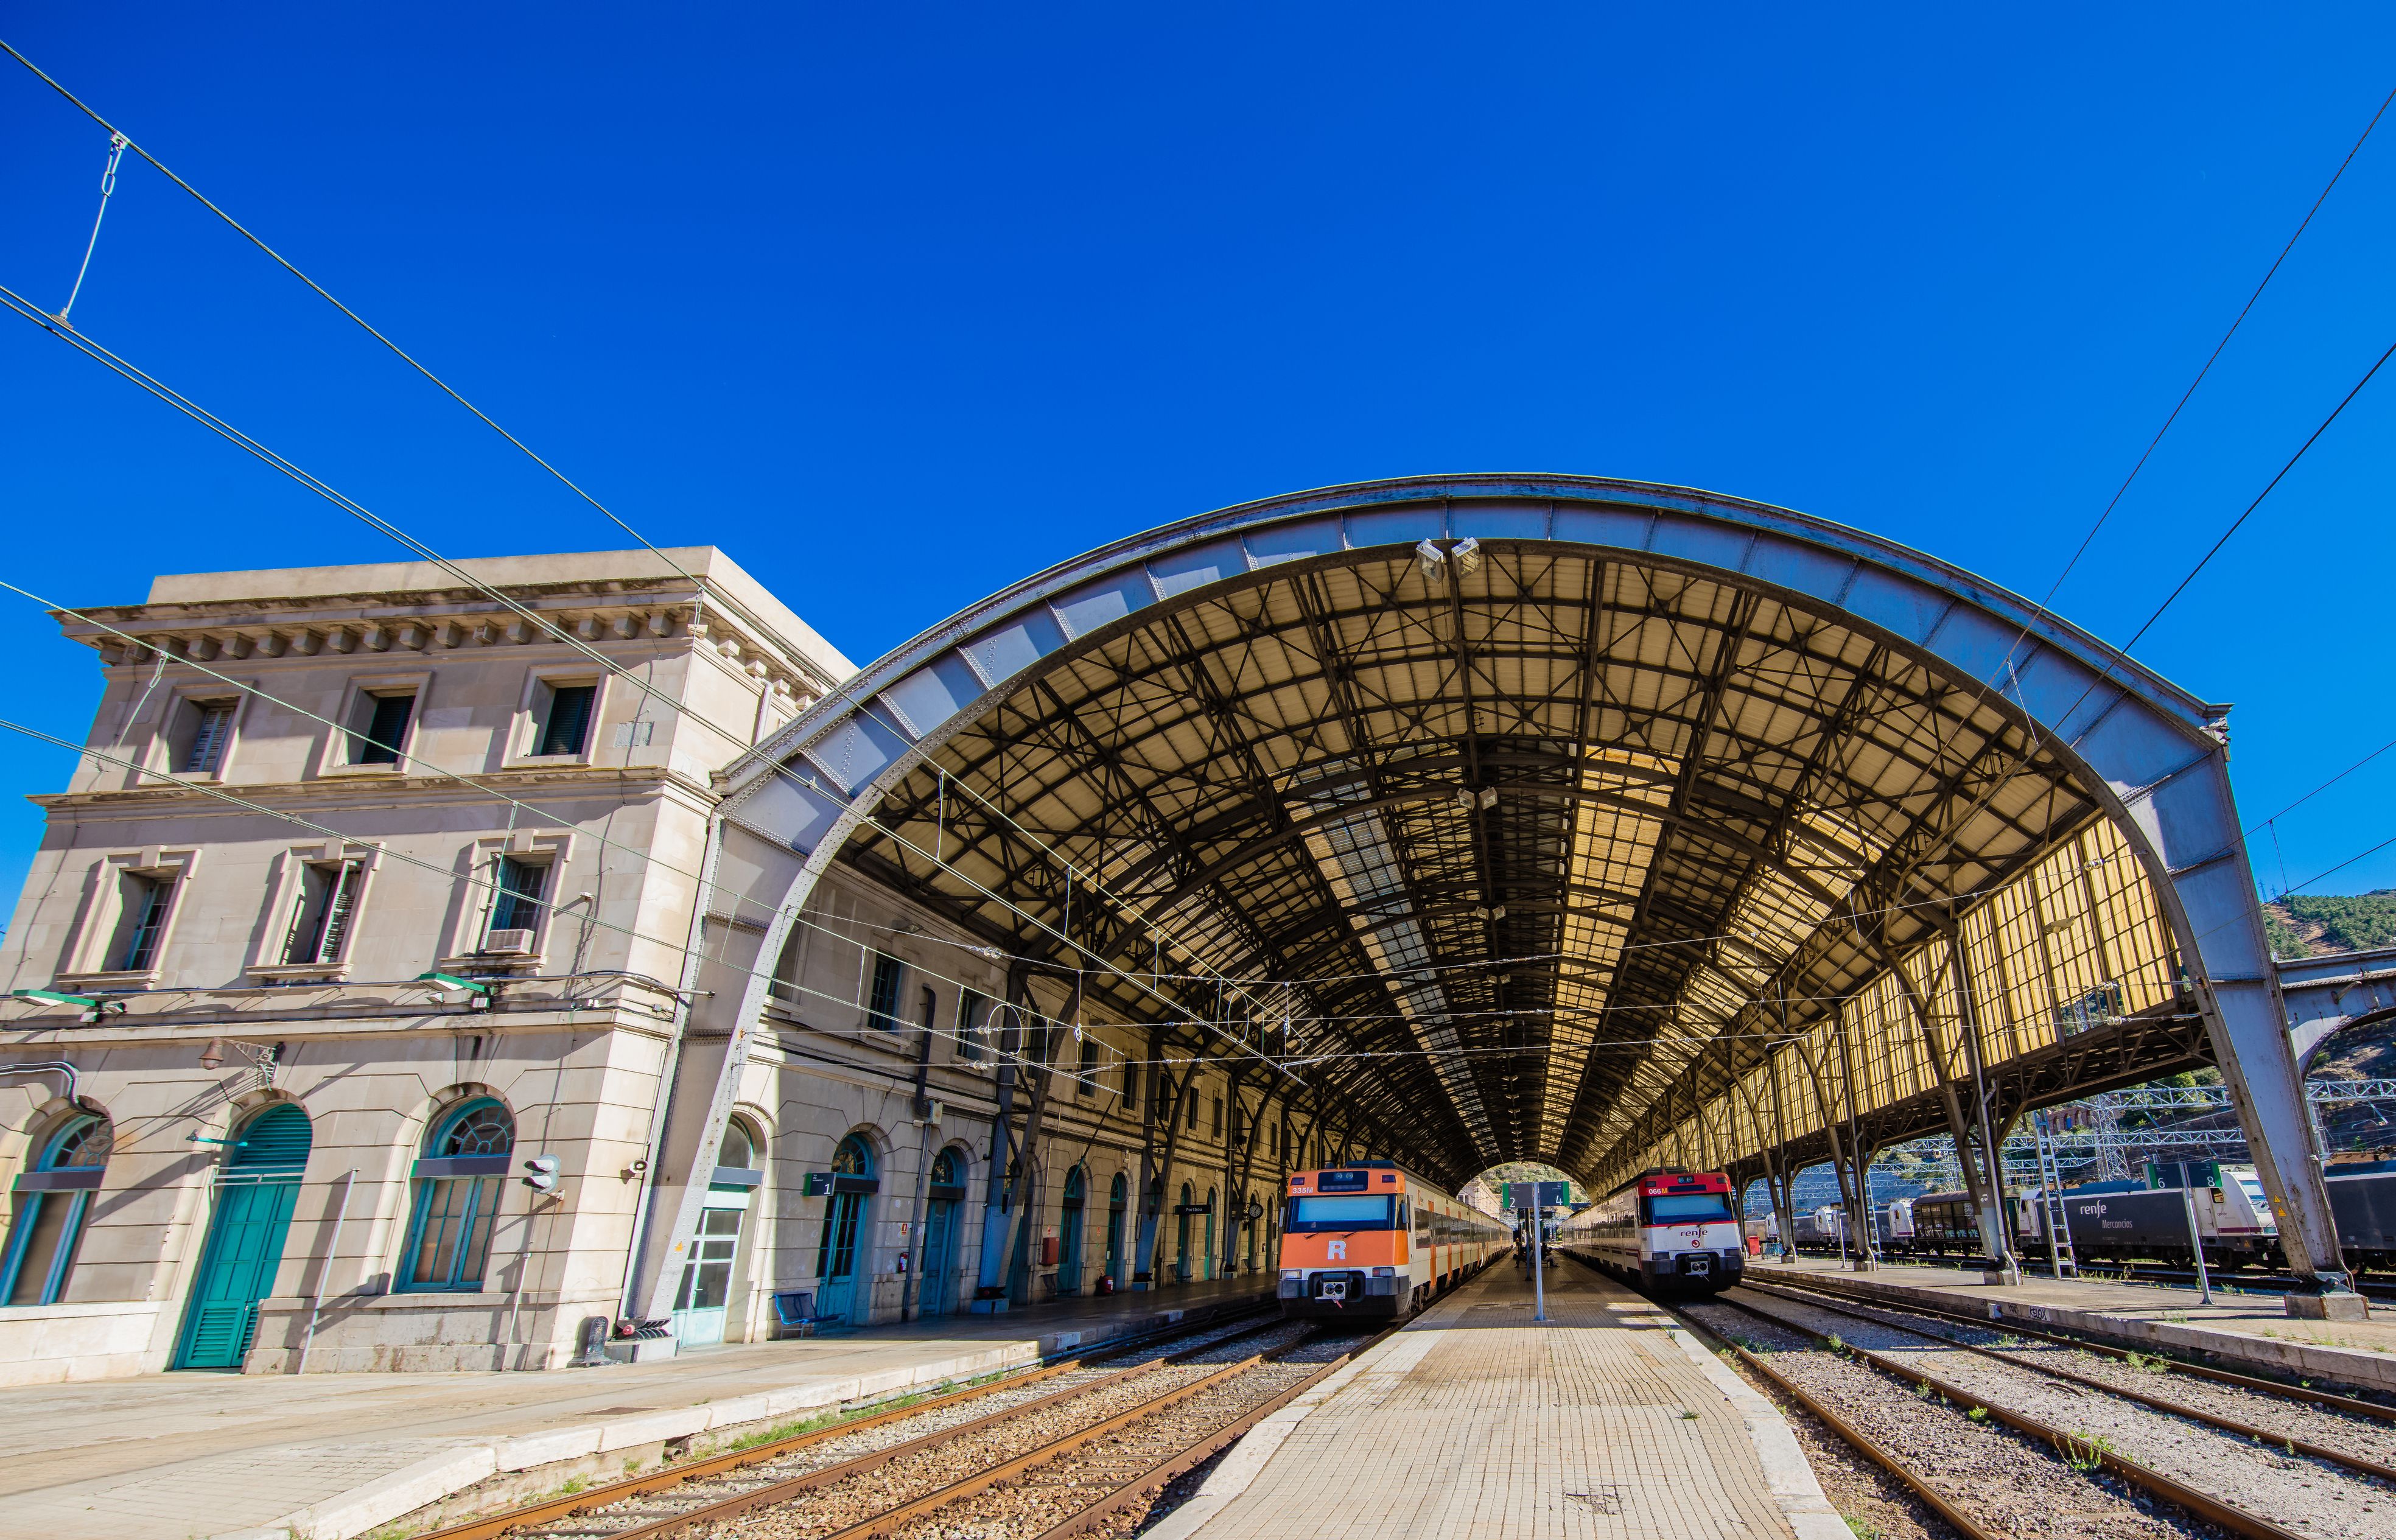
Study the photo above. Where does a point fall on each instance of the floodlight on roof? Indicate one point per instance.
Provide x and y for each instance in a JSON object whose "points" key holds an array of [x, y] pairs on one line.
{"points": [[1433, 560], [1466, 552]]}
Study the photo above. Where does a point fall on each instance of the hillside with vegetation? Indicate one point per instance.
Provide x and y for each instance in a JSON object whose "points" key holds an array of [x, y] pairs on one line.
{"points": [[2303, 925]]}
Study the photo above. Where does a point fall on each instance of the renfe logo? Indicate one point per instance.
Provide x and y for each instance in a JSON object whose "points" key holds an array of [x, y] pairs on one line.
{"points": [[1336, 1250]]}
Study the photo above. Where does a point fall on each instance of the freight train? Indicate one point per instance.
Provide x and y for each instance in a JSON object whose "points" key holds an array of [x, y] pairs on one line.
{"points": [[1369, 1241], [2132, 1221], [1670, 1230]]}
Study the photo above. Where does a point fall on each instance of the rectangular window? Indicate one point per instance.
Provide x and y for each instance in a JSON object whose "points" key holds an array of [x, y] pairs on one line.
{"points": [[1340, 1214], [1219, 1118], [378, 728], [564, 724], [517, 906], [453, 1233], [1131, 1085], [1190, 1105], [320, 917], [142, 916], [206, 732], [1089, 1082], [1695, 1208], [969, 1011], [882, 1006]]}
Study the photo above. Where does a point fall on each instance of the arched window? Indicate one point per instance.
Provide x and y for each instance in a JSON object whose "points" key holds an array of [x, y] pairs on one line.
{"points": [[458, 1181], [739, 1147], [51, 1202]]}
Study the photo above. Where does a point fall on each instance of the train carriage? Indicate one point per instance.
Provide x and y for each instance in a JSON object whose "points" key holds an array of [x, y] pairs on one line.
{"points": [[1666, 1229], [1372, 1241]]}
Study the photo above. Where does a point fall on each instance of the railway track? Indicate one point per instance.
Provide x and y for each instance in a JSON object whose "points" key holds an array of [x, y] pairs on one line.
{"points": [[1065, 1450], [1927, 1405], [2224, 1280]]}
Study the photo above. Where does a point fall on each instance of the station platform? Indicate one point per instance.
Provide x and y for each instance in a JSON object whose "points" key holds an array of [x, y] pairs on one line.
{"points": [[331, 1457], [1476, 1421], [2249, 1330]]}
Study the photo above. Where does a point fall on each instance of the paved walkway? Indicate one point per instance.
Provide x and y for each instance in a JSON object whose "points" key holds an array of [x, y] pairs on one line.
{"points": [[328, 1456], [1476, 1421], [2252, 1328]]}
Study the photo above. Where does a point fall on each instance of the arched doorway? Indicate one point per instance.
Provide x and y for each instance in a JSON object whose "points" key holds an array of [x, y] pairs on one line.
{"points": [[702, 1305], [840, 1254], [52, 1200], [1068, 1232], [1181, 1235], [1117, 1193], [457, 1186], [945, 1197], [254, 1192]]}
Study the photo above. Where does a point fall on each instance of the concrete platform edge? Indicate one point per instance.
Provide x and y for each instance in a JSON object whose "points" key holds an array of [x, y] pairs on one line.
{"points": [[1788, 1474], [397, 1493], [2371, 1371]]}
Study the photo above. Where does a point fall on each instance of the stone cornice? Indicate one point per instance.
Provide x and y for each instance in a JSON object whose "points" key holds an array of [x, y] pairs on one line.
{"points": [[383, 791], [601, 616]]}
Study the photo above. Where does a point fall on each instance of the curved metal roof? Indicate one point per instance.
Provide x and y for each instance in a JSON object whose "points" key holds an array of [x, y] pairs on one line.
{"points": [[1509, 840]]}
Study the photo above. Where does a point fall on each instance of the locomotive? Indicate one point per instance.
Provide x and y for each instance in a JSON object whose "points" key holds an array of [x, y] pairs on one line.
{"points": [[1668, 1229], [1370, 1240]]}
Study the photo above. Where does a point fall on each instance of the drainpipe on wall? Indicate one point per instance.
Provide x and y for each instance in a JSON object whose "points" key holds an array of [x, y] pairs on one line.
{"points": [[661, 1109]]}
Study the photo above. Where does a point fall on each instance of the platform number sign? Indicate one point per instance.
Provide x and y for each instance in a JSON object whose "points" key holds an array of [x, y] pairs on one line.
{"points": [[1535, 1195]]}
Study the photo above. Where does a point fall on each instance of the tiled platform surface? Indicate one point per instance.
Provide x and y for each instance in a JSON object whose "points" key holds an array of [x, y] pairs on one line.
{"points": [[328, 1456], [1475, 1421], [2252, 1329]]}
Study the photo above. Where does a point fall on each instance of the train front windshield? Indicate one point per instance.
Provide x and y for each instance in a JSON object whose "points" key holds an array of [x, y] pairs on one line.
{"points": [[1687, 1208], [1339, 1213]]}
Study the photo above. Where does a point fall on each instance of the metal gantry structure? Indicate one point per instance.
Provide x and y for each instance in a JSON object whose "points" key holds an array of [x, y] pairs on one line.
{"points": [[1558, 819]]}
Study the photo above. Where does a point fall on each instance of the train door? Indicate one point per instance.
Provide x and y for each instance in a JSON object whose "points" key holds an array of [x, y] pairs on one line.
{"points": [[1069, 1233], [255, 1190], [839, 1254]]}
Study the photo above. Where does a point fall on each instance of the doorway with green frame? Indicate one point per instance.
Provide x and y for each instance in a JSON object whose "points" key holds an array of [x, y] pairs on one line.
{"points": [[840, 1250], [251, 1201], [1069, 1232], [945, 1197]]}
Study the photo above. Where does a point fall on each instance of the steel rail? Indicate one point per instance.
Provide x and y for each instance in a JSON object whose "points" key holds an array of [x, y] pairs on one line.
{"points": [[989, 1475], [1914, 1481], [2177, 1409], [2223, 1376], [494, 1525], [2081, 1453], [1199, 1451]]}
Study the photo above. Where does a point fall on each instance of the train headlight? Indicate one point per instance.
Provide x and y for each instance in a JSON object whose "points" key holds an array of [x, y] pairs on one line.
{"points": [[1385, 1272], [1293, 1272]]}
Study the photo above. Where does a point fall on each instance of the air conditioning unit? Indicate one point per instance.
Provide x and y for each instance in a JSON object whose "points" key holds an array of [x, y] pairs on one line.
{"points": [[508, 943]]}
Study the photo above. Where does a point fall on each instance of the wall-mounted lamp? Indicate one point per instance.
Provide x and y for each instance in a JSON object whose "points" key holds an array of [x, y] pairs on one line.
{"points": [[452, 988]]}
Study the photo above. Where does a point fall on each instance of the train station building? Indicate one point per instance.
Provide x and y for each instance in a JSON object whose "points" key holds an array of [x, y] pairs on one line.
{"points": [[455, 968]]}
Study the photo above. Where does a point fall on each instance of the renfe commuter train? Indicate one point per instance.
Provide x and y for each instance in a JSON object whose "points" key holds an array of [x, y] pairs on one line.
{"points": [[1670, 1230], [1371, 1241]]}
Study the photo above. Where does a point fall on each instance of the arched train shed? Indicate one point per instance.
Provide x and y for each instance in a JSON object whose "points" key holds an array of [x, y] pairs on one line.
{"points": [[1560, 819]]}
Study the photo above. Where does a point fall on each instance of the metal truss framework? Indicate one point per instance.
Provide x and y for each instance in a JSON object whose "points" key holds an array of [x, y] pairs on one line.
{"points": [[1567, 819]]}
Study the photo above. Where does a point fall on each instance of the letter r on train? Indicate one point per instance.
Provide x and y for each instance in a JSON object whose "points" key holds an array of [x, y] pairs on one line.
{"points": [[1337, 1253]]}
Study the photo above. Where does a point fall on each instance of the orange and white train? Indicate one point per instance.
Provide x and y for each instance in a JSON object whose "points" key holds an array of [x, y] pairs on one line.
{"points": [[1666, 1229], [1370, 1240]]}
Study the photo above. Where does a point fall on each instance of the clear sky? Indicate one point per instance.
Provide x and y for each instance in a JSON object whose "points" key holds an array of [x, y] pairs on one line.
{"points": [[898, 305]]}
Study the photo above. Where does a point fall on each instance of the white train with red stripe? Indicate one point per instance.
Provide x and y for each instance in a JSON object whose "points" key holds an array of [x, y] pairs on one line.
{"points": [[1670, 1230]]}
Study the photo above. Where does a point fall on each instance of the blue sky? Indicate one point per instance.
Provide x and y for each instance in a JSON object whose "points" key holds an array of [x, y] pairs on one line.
{"points": [[898, 305]]}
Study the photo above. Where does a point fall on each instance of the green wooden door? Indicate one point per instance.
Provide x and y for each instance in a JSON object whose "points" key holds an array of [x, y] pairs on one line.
{"points": [[254, 1192]]}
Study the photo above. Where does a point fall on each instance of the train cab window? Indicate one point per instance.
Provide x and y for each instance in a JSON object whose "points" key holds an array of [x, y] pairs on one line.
{"points": [[1340, 1212], [1687, 1208]]}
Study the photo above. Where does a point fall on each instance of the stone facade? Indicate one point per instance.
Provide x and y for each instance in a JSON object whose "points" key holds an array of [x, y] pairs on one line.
{"points": [[261, 855]]}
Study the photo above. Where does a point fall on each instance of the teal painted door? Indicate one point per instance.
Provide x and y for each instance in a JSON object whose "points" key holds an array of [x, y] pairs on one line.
{"points": [[256, 1189], [236, 1271], [939, 1258], [836, 1259]]}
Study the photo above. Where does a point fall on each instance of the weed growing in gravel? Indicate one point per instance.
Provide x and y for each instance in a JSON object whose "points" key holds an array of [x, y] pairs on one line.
{"points": [[1979, 1413], [1923, 1392], [2009, 1340], [2152, 1364], [2086, 1454], [1836, 1345], [572, 1485], [1863, 1529]]}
